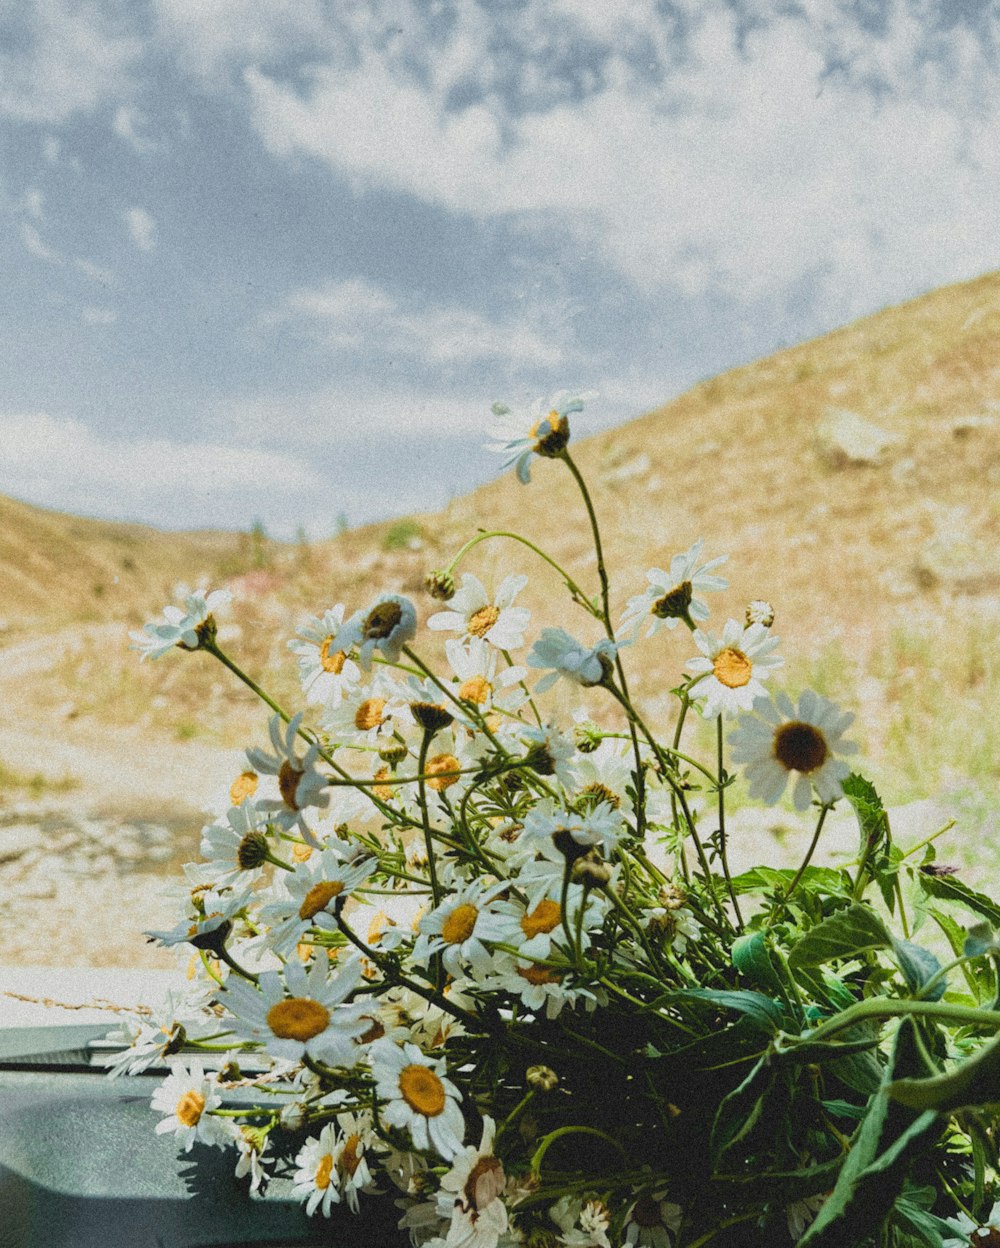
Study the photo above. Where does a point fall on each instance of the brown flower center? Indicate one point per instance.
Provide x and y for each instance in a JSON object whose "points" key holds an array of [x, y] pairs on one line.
{"points": [[381, 620], [459, 924], [545, 917], [535, 974], [800, 747], [646, 1212], [422, 1090], [550, 434], [481, 621], [375, 1032], [331, 662], [732, 668], [485, 1183], [190, 1108], [324, 1171], [442, 763], [349, 1158], [298, 1018], [369, 714], [990, 1240], [288, 784], [244, 786], [674, 604], [476, 689], [319, 896]]}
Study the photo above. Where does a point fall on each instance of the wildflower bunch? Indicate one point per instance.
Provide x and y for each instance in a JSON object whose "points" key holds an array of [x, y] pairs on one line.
{"points": [[498, 964]]}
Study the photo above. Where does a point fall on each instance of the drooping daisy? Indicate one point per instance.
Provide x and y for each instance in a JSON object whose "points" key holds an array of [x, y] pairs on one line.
{"points": [[544, 430], [652, 1222], [387, 625], [458, 927], [310, 1018], [565, 657], [477, 1181], [780, 738], [189, 629], [550, 751], [354, 1137], [496, 620], [210, 920], [316, 1177], [181, 1015], [418, 1097], [252, 1144], [299, 783], [732, 667], [312, 894], [187, 1096], [236, 850], [324, 673], [670, 596]]}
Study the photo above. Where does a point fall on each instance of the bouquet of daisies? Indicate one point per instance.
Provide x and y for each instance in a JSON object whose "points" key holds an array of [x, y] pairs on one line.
{"points": [[453, 953]]}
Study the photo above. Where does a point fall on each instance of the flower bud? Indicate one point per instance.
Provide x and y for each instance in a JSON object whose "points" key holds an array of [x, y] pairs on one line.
{"points": [[431, 716], [587, 736], [541, 1078], [440, 585], [760, 612]]}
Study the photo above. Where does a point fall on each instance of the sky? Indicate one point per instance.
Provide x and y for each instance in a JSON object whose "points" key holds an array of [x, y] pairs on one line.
{"points": [[275, 259]]}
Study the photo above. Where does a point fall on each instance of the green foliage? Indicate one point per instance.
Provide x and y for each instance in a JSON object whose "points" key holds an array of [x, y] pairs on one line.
{"points": [[402, 535]]}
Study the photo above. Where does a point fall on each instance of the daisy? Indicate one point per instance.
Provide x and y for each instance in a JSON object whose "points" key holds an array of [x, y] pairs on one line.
{"points": [[652, 1222], [566, 657], [984, 1233], [182, 1015], [388, 624], [475, 666], [369, 716], [779, 738], [584, 1224], [312, 894], [325, 673], [252, 1144], [732, 667], [211, 922], [311, 1019], [538, 987], [237, 851], [190, 629], [574, 833], [417, 1097], [187, 1096], [315, 1180], [458, 927], [474, 614], [299, 783], [544, 430], [477, 1180], [549, 751], [669, 597]]}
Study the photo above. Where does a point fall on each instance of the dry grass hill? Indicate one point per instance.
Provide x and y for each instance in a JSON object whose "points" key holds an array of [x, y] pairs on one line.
{"points": [[853, 480]]}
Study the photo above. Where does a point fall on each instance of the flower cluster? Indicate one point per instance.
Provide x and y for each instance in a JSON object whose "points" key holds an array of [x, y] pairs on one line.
{"points": [[499, 964]]}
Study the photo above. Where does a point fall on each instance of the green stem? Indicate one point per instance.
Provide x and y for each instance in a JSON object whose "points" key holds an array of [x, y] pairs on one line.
{"points": [[783, 904], [882, 1007], [722, 823], [550, 1139], [571, 585]]}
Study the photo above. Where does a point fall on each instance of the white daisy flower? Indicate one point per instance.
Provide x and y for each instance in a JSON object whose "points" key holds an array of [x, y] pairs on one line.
{"points": [[669, 597], [652, 1222], [550, 751], [544, 430], [187, 1096], [584, 1224], [325, 673], [369, 716], [299, 783], [237, 851], [458, 927], [473, 613], [181, 1015], [211, 920], [311, 895], [418, 1097], [475, 665], [566, 657], [569, 830], [388, 624], [252, 1144], [354, 1138], [538, 987], [315, 1180], [477, 1181], [539, 924], [310, 1019], [189, 629], [780, 738], [732, 667], [606, 774]]}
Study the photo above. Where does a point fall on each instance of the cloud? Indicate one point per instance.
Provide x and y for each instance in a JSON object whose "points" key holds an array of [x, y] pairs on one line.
{"points": [[36, 245], [96, 272], [128, 124], [70, 58], [92, 315], [356, 317], [736, 153], [60, 461], [34, 203], [142, 227], [211, 36]]}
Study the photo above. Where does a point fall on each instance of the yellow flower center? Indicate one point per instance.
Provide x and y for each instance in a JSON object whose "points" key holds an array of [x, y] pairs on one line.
{"points": [[319, 896], [369, 714], [298, 1018], [732, 668], [301, 852], [544, 918], [331, 662], [800, 747], [442, 763], [288, 784], [422, 1090], [349, 1158], [476, 689], [459, 924], [190, 1108], [323, 1171], [481, 621], [244, 786], [535, 974], [384, 791]]}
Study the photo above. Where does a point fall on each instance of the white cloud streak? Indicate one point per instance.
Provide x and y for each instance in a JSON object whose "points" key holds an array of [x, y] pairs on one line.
{"points": [[142, 228], [37, 246]]}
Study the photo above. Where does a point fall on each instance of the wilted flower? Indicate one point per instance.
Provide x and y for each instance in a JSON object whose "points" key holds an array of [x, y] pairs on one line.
{"points": [[544, 430]]}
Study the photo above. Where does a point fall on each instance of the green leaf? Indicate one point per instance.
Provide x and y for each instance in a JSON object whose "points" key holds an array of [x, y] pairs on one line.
{"points": [[764, 1013], [827, 880], [928, 1230], [976, 1081], [947, 888], [841, 935], [740, 1111], [979, 940], [872, 818], [779, 1187], [919, 966]]}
